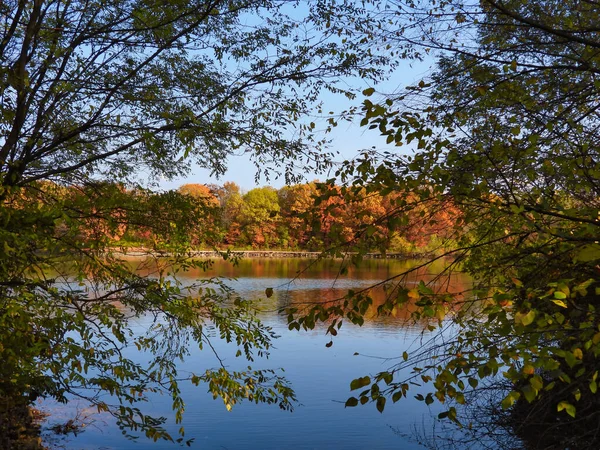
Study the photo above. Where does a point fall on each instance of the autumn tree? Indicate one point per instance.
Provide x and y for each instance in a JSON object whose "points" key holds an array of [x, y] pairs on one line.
{"points": [[259, 216], [295, 203], [95, 94], [206, 230], [201, 192], [230, 200]]}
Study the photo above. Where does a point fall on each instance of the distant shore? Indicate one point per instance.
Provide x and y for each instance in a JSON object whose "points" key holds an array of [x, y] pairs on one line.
{"points": [[139, 252]]}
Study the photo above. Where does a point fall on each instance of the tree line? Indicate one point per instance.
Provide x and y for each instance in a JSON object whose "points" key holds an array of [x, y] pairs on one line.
{"points": [[287, 218], [223, 217]]}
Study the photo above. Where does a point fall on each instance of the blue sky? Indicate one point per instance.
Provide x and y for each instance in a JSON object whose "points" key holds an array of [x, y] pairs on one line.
{"points": [[347, 138]]}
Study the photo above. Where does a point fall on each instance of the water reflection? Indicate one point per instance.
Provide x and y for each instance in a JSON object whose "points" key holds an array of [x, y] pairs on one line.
{"points": [[320, 375], [297, 282]]}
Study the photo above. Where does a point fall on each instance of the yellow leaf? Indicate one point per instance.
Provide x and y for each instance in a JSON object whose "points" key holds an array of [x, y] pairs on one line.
{"points": [[414, 293], [568, 407], [525, 319], [440, 313], [528, 369]]}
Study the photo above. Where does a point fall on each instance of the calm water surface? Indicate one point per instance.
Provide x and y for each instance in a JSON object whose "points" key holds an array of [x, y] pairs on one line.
{"points": [[319, 375]]}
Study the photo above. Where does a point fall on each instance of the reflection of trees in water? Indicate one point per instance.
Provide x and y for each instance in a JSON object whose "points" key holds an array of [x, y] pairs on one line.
{"points": [[379, 292], [306, 282], [525, 426], [537, 426], [288, 268]]}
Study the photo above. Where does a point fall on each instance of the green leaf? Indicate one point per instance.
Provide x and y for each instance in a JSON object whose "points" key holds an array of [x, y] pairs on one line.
{"points": [[536, 382], [387, 377], [588, 253], [359, 383], [529, 393], [380, 404], [525, 318], [368, 92], [510, 399], [351, 402]]}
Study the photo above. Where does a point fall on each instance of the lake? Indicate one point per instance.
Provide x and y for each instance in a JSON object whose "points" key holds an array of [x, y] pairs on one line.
{"points": [[321, 376]]}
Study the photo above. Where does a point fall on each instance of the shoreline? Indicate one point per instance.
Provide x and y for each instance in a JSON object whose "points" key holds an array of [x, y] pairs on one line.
{"points": [[272, 254], [20, 424]]}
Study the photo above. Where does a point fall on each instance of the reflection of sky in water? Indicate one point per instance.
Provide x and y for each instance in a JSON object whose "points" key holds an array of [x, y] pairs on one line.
{"points": [[320, 377]]}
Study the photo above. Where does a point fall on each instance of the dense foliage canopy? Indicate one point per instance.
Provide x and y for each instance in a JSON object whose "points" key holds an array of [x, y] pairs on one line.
{"points": [[506, 126], [96, 95]]}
